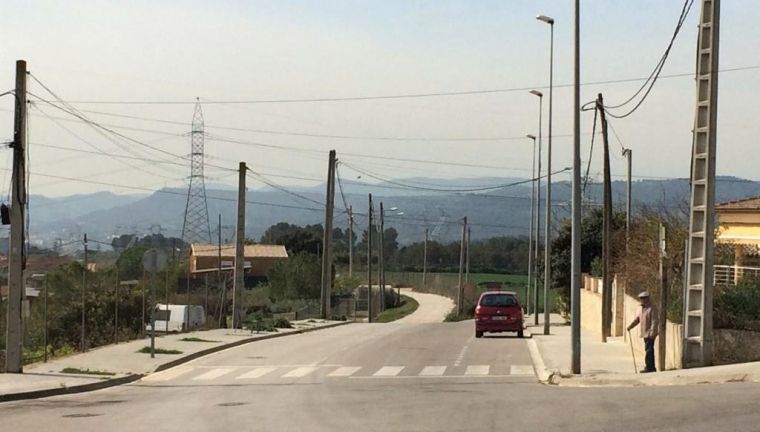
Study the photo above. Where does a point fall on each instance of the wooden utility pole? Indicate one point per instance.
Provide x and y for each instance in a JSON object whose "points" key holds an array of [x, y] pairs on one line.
{"points": [[628, 154], [84, 292], [607, 227], [467, 257], [239, 282], [350, 241], [221, 284], [369, 260], [327, 239], [460, 291], [424, 259], [662, 341], [380, 258], [16, 261]]}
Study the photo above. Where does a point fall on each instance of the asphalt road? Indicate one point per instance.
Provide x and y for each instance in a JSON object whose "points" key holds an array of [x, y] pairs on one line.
{"points": [[381, 377]]}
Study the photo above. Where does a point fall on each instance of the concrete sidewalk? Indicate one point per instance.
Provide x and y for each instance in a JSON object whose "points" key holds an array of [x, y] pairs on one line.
{"points": [[118, 364], [611, 363]]}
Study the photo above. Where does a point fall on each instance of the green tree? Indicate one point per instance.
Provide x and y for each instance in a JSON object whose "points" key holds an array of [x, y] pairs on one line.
{"points": [[297, 278]]}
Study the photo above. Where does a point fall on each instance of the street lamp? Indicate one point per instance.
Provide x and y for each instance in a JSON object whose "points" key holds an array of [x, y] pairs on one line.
{"points": [[538, 205], [547, 226], [532, 216]]}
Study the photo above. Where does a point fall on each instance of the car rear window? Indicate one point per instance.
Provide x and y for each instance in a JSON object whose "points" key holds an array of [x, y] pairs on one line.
{"points": [[498, 300]]}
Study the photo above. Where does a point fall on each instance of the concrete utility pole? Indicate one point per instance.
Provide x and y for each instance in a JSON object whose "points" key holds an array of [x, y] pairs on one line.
{"points": [[327, 239], [16, 261], [627, 153], [698, 327], [575, 248], [84, 291], [538, 205], [350, 241], [424, 260], [460, 292], [369, 261], [661, 340], [239, 282], [607, 226], [530, 231]]}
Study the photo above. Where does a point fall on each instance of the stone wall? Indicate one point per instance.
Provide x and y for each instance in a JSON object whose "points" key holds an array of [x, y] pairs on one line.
{"points": [[624, 310], [735, 346]]}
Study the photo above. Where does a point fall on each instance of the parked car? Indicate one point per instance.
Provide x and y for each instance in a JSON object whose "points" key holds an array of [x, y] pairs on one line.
{"points": [[178, 318], [498, 311]]}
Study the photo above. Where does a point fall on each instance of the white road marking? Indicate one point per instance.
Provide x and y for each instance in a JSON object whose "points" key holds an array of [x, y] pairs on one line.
{"points": [[168, 374], [257, 373], [213, 374], [433, 371], [461, 355], [344, 371], [387, 371], [300, 372], [477, 370], [521, 370]]}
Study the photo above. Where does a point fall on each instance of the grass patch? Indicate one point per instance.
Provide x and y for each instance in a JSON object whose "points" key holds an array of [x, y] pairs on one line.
{"points": [[453, 316], [406, 307], [146, 350], [73, 370], [197, 339]]}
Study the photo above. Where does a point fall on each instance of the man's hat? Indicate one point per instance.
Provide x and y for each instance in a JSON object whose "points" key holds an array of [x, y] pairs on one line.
{"points": [[643, 294]]}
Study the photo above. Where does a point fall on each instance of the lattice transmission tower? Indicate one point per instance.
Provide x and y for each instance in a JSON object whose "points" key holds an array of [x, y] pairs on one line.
{"points": [[196, 228]]}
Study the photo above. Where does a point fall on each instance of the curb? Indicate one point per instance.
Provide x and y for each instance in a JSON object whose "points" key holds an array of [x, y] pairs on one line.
{"points": [[58, 391], [545, 375], [212, 350], [113, 382]]}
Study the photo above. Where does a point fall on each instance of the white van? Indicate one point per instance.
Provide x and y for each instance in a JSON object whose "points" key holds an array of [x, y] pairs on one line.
{"points": [[178, 318]]}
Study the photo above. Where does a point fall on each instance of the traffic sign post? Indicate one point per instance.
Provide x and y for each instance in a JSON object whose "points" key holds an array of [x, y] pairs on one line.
{"points": [[154, 261]]}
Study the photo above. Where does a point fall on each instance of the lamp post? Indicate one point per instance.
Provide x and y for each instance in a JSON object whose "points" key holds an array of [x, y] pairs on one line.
{"points": [[538, 204], [532, 215], [547, 225]]}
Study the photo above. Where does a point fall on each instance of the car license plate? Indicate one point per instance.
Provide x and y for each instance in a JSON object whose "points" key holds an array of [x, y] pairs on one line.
{"points": [[499, 318]]}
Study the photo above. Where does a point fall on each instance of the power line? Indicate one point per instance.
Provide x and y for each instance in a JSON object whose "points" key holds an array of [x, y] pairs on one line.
{"points": [[317, 135], [480, 189], [652, 79], [168, 192], [393, 96]]}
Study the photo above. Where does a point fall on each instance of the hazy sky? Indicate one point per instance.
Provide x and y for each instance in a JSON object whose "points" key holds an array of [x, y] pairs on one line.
{"points": [[164, 51]]}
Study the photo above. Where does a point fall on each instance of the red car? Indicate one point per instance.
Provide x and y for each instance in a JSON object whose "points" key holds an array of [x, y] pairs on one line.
{"points": [[498, 311]]}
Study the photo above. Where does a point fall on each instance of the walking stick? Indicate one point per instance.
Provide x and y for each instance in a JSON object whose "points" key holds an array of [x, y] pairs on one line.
{"points": [[630, 342]]}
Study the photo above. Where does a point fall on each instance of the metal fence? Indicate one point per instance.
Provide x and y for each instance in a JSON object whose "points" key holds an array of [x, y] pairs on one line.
{"points": [[729, 275]]}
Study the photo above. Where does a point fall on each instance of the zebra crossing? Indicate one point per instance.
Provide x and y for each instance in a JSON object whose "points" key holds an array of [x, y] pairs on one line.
{"points": [[206, 374]]}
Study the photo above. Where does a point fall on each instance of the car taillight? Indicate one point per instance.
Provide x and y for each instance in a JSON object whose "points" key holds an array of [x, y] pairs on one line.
{"points": [[477, 310]]}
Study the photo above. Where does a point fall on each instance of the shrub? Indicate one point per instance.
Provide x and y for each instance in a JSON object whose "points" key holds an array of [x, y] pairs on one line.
{"points": [[738, 307], [281, 323]]}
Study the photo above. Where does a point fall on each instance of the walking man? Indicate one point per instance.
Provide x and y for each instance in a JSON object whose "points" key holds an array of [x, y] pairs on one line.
{"points": [[648, 328]]}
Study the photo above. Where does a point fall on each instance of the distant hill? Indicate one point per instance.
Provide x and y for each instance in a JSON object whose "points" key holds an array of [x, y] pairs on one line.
{"points": [[503, 211]]}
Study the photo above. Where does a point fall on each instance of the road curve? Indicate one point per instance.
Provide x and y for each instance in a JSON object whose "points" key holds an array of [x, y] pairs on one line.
{"points": [[433, 308]]}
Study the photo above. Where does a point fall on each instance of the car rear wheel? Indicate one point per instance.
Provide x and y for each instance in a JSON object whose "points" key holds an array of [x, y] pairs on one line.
{"points": [[478, 334], [520, 333]]}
